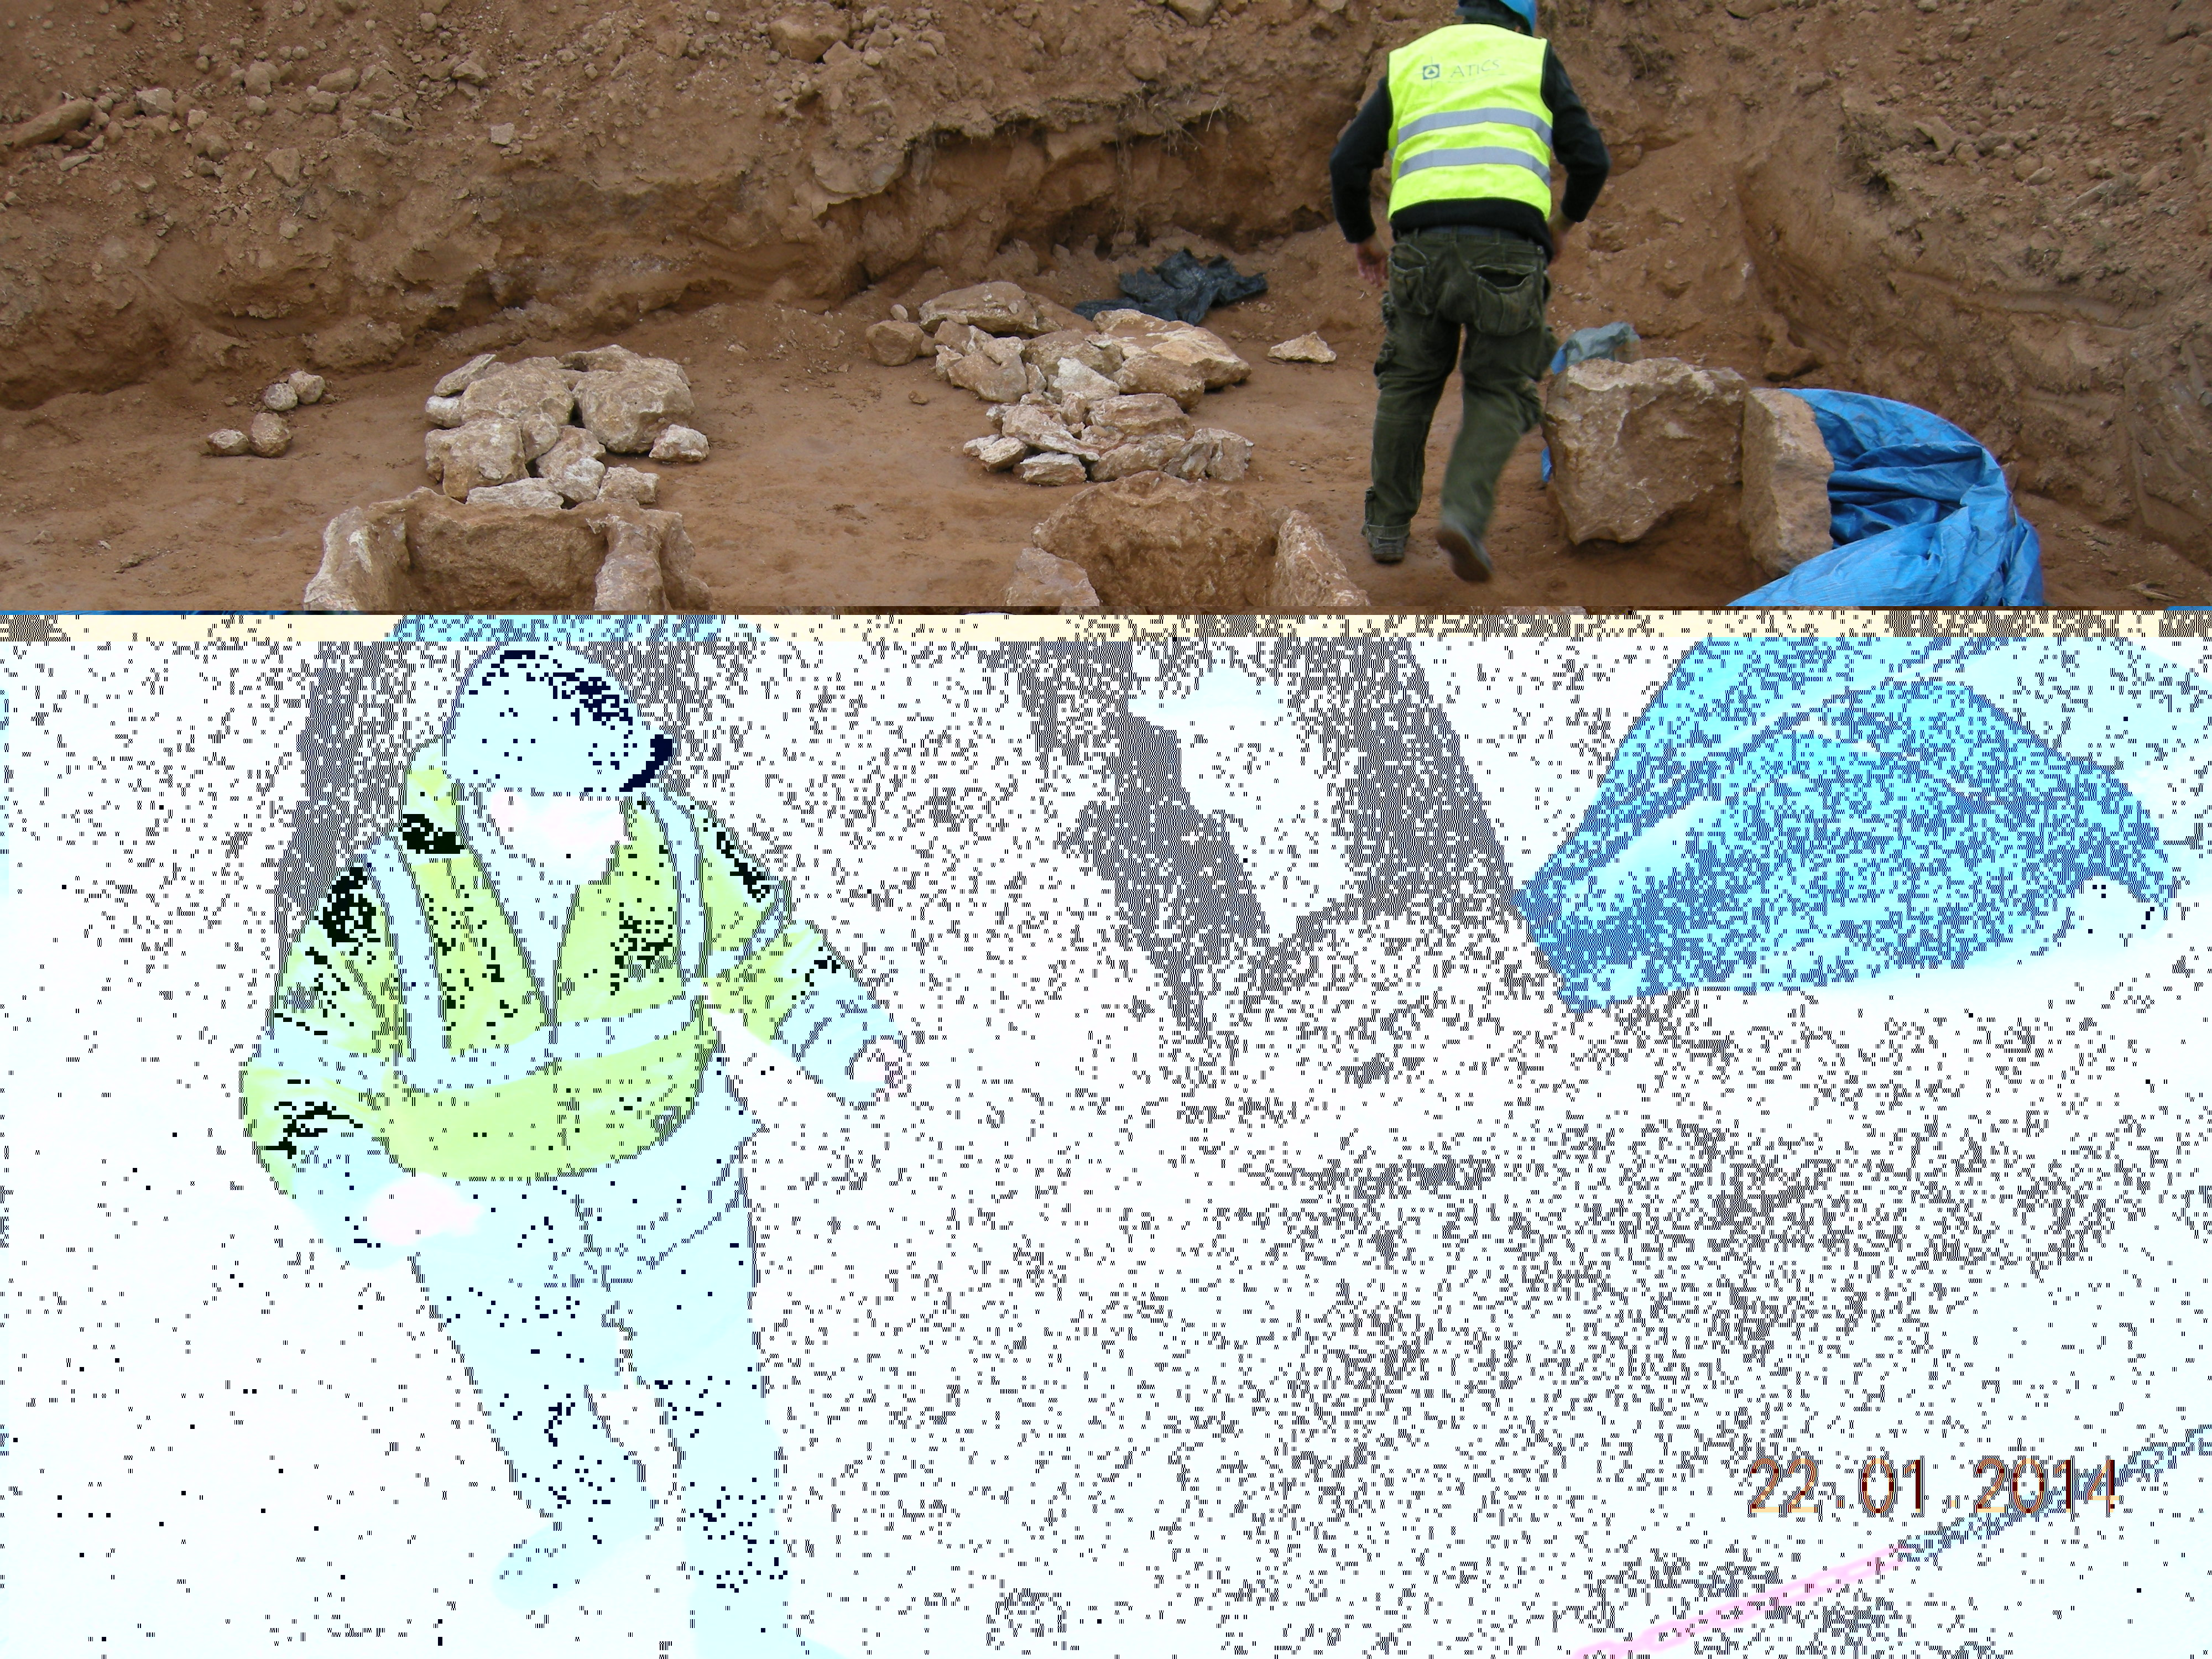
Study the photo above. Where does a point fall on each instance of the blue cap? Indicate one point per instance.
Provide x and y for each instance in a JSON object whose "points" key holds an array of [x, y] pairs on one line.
{"points": [[1524, 10], [546, 721]]}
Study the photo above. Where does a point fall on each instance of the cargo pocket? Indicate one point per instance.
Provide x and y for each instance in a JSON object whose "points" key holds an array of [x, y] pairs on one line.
{"points": [[1510, 302]]}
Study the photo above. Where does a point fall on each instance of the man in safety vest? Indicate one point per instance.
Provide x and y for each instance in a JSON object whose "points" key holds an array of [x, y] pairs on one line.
{"points": [[494, 1048], [1472, 116]]}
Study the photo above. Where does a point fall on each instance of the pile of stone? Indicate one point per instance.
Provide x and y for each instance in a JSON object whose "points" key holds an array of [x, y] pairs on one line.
{"points": [[268, 435], [1073, 401], [1636, 444], [536, 433]]}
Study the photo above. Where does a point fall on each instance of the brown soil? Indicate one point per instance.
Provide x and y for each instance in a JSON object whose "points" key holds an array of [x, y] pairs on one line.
{"points": [[1773, 209]]}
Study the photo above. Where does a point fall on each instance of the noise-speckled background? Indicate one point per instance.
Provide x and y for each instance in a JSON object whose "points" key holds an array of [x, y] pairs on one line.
{"points": [[1259, 1264]]}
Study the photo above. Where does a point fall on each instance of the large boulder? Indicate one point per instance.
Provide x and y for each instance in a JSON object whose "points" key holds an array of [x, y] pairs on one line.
{"points": [[498, 558], [1156, 452], [893, 344], [1632, 444], [994, 308], [627, 401], [1155, 544], [1182, 343], [994, 378], [1147, 372], [518, 391], [367, 565], [1141, 414], [1786, 465], [485, 451]]}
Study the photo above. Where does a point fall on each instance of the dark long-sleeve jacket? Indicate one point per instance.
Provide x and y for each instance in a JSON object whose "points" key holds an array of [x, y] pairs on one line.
{"points": [[1575, 143]]}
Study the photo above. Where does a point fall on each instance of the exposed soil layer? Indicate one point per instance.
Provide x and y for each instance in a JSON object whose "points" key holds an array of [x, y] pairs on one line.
{"points": [[1997, 211]]}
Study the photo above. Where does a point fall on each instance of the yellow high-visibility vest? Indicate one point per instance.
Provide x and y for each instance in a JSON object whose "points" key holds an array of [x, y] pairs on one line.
{"points": [[1468, 118]]}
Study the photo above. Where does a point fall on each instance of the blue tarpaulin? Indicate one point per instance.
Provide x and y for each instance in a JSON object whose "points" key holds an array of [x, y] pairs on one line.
{"points": [[1803, 812], [1920, 513]]}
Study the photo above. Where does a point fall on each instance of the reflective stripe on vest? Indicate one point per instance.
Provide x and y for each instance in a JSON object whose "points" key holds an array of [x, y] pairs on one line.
{"points": [[1469, 122], [430, 1064]]}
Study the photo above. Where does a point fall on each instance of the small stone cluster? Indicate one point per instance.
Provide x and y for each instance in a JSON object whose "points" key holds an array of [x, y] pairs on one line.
{"points": [[268, 435], [1073, 401], [534, 433]]}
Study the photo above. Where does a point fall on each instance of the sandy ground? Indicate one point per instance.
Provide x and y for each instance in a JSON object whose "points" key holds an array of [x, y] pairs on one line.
{"points": [[836, 483]]}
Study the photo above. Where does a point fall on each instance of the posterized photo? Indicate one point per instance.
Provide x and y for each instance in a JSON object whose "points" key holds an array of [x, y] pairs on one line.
{"points": [[798, 1138]]}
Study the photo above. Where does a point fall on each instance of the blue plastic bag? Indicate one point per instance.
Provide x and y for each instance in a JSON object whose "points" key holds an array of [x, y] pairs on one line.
{"points": [[1920, 513], [1804, 812]]}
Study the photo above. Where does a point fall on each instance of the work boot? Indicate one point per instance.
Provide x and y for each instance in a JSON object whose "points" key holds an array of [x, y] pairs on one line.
{"points": [[1388, 546], [1470, 560], [556, 1558]]}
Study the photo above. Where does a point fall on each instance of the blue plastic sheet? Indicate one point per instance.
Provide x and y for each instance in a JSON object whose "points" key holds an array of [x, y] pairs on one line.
{"points": [[1792, 813], [1920, 513]]}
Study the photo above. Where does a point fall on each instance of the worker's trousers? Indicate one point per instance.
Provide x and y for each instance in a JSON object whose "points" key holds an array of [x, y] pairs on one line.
{"points": [[535, 1299], [1472, 296]]}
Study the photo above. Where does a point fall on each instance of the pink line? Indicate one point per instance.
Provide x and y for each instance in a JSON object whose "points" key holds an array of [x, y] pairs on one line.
{"points": [[1676, 1632]]}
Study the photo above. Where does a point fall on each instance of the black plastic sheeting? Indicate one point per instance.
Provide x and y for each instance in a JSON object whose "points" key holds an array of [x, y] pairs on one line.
{"points": [[1181, 289]]}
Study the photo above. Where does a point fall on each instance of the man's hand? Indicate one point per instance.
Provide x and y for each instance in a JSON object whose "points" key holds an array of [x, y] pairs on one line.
{"points": [[882, 1062], [1559, 225], [1370, 257], [419, 1207]]}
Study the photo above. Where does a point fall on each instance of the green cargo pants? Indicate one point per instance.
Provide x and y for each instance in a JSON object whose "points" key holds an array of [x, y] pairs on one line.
{"points": [[1441, 281]]}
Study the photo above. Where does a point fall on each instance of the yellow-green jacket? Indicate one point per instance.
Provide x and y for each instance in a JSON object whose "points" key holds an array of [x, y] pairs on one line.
{"points": [[406, 1007]]}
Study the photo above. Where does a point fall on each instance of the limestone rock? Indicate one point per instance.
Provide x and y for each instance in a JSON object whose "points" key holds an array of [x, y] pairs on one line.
{"points": [[1041, 428], [498, 558], [993, 381], [1785, 481], [1150, 542], [1057, 317], [517, 390], [808, 37], [635, 535], [1155, 452], [573, 466], [1140, 413], [307, 388], [1306, 349], [1309, 576], [280, 396], [1213, 452], [462, 378], [366, 561], [1182, 343], [996, 454], [442, 411], [628, 405], [156, 100], [628, 483], [629, 580], [523, 492], [1090, 349], [227, 442], [994, 308], [1040, 582], [486, 452], [679, 443], [61, 119], [268, 436], [1145, 372], [1633, 443], [1051, 469], [1070, 378], [1193, 12], [895, 343]]}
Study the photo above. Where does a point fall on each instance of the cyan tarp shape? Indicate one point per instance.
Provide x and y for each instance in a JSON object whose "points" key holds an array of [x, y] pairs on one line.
{"points": [[1792, 813], [1920, 513]]}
